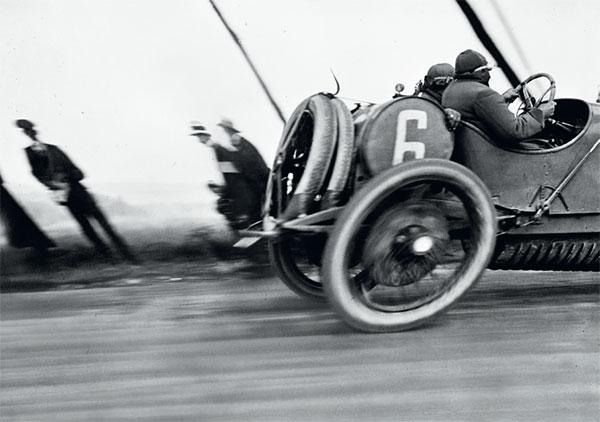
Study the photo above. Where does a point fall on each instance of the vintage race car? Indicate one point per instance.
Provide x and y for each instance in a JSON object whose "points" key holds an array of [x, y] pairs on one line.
{"points": [[393, 211]]}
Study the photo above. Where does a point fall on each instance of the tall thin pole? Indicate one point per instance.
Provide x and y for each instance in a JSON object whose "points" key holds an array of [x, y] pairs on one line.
{"points": [[243, 50], [487, 41]]}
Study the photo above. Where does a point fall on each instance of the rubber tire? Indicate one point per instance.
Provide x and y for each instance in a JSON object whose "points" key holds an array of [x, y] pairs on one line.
{"points": [[319, 158], [334, 274], [282, 259], [290, 126], [313, 179], [343, 155]]}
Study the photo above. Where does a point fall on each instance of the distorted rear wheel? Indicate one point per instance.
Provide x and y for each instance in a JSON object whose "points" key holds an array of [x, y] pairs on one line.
{"points": [[408, 224]]}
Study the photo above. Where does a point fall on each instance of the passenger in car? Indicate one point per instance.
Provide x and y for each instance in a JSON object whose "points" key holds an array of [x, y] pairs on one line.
{"points": [[435, 82], [470, 95]]}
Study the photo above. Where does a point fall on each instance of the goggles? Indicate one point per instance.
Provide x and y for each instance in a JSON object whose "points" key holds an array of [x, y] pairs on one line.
{"points": [[487, 67], [440, 80]]}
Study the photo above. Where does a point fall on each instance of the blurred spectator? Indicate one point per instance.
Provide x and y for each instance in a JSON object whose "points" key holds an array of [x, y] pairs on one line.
{"points": [[244, 172], [21, 230], [249, 160], [53, 168]]}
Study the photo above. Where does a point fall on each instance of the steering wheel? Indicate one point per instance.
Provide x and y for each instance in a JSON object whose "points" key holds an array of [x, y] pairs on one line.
{"points": [[528, 101]]}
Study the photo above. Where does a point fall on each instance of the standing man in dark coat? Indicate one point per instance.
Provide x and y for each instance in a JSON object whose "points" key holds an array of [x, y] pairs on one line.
{"points": [[470, 95], [240, 199], [435, 82], [53, 168], [249, 160]]}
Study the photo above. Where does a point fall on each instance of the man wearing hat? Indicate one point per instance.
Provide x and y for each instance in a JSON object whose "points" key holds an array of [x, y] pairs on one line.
{"points": [[470, 95], [435, 82], [203, 135], [53, 168], [205, 138], [240, 199], [249, 160]]}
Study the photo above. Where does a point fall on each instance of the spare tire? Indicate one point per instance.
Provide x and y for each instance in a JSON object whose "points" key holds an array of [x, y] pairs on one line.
{"points": [[343, 155], [304, 156], [303, 169]]}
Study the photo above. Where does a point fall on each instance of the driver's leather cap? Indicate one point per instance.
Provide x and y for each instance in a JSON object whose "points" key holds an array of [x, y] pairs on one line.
{"points": [[468, 61], [440, 75]]}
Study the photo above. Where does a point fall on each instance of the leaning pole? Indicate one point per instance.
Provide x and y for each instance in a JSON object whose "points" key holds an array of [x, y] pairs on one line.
{"points": [[236, 39], [487, 41]]}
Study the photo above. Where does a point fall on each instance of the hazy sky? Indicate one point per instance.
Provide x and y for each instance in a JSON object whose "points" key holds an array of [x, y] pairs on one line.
{"points": [[115, 83]]}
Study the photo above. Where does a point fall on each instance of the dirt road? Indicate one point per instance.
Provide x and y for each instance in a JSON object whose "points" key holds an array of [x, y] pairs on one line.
{"points": [[521, 346]]}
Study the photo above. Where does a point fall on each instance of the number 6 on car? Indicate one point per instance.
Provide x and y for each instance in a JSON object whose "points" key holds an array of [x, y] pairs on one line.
{"points": [[402, 145], [401, 131]]}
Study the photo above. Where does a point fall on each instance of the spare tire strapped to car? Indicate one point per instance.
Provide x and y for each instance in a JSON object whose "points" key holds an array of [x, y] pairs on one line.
{"points": [[338, 128], [322, 145], [291, 125], [343, 156]]}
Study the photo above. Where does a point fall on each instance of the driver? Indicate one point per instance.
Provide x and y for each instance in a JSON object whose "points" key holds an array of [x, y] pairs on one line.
{"points": [[470, 95]]}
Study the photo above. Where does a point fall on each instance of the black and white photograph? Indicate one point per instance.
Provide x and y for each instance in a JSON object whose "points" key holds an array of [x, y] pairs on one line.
{"points": [[300, 210]]}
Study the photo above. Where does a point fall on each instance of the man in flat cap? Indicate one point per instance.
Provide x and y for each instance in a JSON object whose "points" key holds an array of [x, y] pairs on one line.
{"points": [[470, 95], [53, 168], [436, 80], [240, 199]]}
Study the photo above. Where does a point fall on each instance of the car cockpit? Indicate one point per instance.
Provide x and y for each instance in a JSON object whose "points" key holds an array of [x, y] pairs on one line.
{"points": [[571, 117]]}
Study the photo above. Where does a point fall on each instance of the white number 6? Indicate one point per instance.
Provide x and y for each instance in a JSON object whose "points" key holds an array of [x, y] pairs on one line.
{"points": [[402, 145]]}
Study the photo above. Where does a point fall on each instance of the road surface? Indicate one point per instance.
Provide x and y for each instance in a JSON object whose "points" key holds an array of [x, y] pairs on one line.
{"points": [[521, 346]]}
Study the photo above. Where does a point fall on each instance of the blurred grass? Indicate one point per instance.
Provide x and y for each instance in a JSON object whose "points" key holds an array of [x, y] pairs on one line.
{"points": [[171, 253]]}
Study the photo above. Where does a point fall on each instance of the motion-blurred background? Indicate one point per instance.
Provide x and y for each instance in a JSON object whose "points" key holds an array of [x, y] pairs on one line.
{"points": [[116, 83]]}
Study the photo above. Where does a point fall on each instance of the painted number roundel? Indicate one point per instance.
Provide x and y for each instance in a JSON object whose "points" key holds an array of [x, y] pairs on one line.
{"points": [[405, 129]]}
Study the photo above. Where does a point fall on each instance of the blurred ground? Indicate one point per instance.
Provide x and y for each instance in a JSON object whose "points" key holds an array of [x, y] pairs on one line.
{"points": [[177, 252], [200, 333]]}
